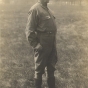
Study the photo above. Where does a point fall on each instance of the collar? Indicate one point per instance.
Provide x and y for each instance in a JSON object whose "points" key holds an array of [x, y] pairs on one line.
{"points": [[46, 8]]}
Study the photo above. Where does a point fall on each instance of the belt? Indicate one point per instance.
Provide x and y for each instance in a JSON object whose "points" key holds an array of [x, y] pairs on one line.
{"points": [[47, 32]]}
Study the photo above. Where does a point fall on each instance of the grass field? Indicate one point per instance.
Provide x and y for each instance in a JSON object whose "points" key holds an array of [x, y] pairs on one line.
{"points": [[16, 56]]}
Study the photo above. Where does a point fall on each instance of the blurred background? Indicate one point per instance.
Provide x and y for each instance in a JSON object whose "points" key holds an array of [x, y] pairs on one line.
{"points": [[16, 55]]}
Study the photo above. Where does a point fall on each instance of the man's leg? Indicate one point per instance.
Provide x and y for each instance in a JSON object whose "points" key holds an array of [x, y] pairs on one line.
{"points": [[51, 80], [38, 80], [38, 83], [40, 64], [51, 68]]}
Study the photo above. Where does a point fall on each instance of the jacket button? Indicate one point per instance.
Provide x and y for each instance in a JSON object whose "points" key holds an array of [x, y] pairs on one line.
{"points": [[50, 32]]}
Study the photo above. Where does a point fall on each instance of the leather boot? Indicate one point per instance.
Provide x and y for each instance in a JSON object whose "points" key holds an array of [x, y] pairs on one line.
{"points": [[38, 83], [51, 82]]}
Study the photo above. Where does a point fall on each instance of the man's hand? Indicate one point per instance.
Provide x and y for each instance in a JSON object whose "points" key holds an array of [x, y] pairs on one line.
{"points": [[38, 47]]}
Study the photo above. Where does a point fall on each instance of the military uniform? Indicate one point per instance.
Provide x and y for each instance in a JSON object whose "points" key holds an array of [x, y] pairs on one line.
{"points": [[41, 29]]}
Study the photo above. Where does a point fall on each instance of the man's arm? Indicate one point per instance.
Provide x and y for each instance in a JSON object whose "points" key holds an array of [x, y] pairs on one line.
{"points": [[31, 28]]}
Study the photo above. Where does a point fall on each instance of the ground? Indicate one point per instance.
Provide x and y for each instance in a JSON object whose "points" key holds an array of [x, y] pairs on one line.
{"points": [[16, 55]]}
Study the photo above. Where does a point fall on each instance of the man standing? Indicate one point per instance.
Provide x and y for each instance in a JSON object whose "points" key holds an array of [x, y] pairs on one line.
{"points": [[41, 34]]}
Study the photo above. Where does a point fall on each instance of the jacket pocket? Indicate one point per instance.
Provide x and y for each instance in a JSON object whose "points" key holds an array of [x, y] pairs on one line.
{"points": [[46, 18]]}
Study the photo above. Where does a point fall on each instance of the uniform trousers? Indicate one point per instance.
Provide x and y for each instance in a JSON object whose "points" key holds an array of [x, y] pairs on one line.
{"points": [[47, 56]]}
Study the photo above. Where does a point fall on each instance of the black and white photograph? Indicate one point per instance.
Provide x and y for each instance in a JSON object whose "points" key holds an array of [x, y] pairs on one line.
{"points": [[43, 43]]}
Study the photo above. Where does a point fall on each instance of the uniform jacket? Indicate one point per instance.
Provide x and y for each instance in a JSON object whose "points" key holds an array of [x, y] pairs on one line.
{"points": [[40, 19]]}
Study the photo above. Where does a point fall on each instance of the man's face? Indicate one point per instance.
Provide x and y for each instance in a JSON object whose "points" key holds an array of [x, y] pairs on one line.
{"points": [[45, 1]]}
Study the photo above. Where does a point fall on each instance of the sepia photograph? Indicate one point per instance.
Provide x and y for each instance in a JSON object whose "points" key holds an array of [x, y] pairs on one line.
{"points": [[43, 43]]}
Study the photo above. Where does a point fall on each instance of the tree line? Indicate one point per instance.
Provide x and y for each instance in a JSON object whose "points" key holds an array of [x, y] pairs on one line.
{"points": [[17, 1], [71, 2]]}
